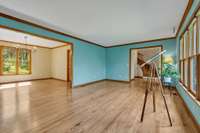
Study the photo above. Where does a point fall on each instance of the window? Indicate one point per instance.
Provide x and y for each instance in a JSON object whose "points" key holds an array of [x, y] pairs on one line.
{"points": [[181, 49], [24, 61], [189, 57], [182, 71], [14, 61], [181, 59], [195, 38], [186, 73], [185, 43], [193, 75], [9, 60]]}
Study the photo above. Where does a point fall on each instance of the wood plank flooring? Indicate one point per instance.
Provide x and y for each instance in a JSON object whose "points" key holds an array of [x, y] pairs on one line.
{"points": [[104, 107]]}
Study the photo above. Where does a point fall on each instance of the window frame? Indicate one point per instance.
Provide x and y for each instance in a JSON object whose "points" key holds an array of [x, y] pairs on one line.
{"points": [[2, 62], [192, 53], [17, 61], [29, 61]]}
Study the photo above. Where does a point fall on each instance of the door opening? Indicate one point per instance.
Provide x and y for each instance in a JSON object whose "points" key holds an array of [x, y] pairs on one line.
{"points": [[138, 56]]}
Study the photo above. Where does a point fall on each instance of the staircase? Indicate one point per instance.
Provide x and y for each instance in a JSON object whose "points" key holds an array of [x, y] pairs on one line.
{"points": [[146, 69]]}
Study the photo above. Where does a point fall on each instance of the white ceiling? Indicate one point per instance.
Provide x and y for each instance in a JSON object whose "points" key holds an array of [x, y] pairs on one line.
{"points": [[106, 22], [13, 36]]}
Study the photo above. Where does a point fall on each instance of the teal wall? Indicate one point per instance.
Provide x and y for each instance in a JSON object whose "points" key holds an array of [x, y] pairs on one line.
{"points": [[117, 58], [89, 63], [191, 104], [89, 60]]}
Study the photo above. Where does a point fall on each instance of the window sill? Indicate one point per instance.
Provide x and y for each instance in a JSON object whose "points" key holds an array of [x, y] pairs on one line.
{"points": [[190, 94], [14, 74]]}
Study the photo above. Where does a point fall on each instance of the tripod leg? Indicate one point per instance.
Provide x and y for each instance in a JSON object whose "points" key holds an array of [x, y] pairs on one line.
{"points": [[161, 90], [154, 102], [153, 90], [170, 121], [144, 105]]}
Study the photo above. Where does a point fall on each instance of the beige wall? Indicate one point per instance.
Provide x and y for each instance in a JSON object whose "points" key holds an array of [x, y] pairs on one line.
{"points": [[41, 67], [59, 63]]}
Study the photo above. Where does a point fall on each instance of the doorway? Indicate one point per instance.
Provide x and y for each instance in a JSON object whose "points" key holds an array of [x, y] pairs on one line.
{"points": [[138, 56]]}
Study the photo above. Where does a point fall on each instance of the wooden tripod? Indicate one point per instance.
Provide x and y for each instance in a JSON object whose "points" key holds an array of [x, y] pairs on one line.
{"points": [[154, 82]]}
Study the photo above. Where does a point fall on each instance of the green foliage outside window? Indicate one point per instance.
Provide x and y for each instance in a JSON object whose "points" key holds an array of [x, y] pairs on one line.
{"points": [[24, 58], [10, 61]]}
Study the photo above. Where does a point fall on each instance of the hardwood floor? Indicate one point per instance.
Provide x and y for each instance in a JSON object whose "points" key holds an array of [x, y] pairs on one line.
{"points": [[104, 107]]}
